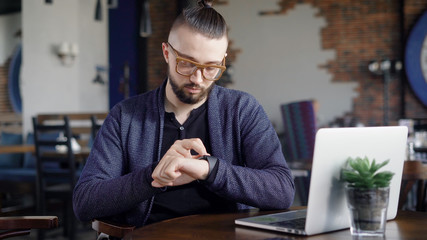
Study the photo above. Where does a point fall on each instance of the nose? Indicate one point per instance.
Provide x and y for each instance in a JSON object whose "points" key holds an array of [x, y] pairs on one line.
{"points": [[197, 76]]}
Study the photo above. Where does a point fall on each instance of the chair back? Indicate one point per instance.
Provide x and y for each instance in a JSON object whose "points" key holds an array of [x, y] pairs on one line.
{"points": [[299, 123], [55, 160], [414, 176], [80, 123], [96, 123]]}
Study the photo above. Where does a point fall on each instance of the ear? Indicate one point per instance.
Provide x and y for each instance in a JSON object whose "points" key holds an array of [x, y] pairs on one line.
{"points": [[165, 51]]}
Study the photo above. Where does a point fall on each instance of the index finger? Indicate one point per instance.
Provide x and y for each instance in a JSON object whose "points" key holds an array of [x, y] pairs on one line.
{"points": [[194, 144]]}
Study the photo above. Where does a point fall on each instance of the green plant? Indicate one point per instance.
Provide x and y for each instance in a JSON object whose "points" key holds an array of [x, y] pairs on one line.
{"points": [[361, 173]]}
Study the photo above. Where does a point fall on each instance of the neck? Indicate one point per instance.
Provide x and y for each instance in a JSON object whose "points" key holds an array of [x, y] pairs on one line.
{"points": [[181, 110]]}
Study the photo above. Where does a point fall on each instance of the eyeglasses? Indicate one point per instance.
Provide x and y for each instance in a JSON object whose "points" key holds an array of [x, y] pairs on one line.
{"points": [[187, 67]]}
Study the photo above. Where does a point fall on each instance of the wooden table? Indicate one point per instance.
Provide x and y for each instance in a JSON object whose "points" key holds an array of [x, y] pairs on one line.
{"points": [[79, 156], [24, 148], [17, 148], [407, 225]]}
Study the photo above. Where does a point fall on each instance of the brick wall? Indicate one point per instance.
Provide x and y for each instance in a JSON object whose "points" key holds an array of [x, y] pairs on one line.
{"points": [[5, 105], [163, 13]]}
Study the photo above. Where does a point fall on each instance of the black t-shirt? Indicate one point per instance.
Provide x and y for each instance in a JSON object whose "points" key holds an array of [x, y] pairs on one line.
{"points": [[193, 198]]}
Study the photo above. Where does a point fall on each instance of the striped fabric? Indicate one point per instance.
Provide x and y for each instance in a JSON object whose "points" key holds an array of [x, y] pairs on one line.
{"points": [[300, 129]]}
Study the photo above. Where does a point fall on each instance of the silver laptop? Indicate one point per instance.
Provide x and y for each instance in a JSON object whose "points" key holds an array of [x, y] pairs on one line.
{"points": [[327, 207]]}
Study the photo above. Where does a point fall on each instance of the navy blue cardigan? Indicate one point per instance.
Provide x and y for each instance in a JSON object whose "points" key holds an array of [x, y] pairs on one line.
{"points": [[116, 180]]}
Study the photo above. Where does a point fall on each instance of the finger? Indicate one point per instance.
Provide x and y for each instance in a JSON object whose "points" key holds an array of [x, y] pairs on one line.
{"points": [[167, 170], [156, 184], [183, 179], [159, 185], [165, 181], [199, 156], [162, 165], [164, 178], [162, 181], [194, 144]]}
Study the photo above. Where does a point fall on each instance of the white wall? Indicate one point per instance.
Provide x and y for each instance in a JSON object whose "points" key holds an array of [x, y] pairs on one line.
{"points": [[280, 58], [46, 84], [9, 25], [93, 41]]}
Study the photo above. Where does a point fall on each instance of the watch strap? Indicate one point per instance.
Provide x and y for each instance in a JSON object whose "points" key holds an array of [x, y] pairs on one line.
{"points": [[211, 161]]}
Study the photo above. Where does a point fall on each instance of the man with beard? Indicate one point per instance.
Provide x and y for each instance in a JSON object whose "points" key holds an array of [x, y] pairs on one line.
{"points": [[187, 147]]}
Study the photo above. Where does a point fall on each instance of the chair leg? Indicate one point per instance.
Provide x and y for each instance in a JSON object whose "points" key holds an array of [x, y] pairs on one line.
{"points": [[406, 187], [65, 221], [420, 195], [302, 189], [40, 234], [69, 221], [72, 222], [41, 209], [424, 203]]}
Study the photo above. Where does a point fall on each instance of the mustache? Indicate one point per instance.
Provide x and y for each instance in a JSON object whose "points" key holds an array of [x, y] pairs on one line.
{"points": [[192, 85]]}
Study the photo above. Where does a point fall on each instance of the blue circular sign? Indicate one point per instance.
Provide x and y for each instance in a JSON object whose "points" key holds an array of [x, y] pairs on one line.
{"points": [[416, 59]]}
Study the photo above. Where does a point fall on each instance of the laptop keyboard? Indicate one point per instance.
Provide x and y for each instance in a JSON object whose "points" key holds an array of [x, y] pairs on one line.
{"points": [[298, 223]]}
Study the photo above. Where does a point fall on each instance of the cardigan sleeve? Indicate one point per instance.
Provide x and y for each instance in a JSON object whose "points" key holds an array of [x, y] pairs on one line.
{"points": [[106, 187], [258, 175]]}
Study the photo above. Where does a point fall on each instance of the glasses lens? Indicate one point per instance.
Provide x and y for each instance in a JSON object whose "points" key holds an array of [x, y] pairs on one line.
{"points": [[212, 73], [185, 68]]}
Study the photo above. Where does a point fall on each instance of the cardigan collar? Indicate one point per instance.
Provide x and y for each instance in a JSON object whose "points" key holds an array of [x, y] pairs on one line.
{"points": [[213, 117]]}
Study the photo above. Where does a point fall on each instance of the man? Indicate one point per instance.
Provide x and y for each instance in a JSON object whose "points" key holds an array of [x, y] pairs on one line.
{"points": [[187, 147]]}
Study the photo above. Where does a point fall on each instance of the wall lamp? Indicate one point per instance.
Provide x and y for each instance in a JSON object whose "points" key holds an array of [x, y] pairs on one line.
{"points": [[98, 11], [67, 52], [385, 68]]}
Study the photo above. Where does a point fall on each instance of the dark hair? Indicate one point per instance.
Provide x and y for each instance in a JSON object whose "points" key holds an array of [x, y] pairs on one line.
{"points": [[203, 19]]}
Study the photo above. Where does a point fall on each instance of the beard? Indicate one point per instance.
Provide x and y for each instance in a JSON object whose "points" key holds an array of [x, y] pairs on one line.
{"points": [[189, 98]]}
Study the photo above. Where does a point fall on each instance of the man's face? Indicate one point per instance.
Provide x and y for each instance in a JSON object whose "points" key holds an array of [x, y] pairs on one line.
{"points": [[198, 48], [189, 93]]}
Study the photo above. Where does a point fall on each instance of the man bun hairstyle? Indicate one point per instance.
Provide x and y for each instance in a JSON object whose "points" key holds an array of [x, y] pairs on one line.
{"points": [[203, 19], [206, 3]]}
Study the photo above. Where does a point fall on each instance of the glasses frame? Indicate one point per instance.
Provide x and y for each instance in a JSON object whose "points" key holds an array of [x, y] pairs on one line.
{"points": [[197, 65]]}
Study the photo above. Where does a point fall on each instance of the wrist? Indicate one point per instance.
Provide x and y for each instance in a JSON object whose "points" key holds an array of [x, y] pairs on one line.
{"points": [[211, 162]]}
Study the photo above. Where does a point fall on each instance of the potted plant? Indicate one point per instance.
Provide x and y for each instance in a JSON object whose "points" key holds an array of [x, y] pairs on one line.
{"points": [[367, 193]]}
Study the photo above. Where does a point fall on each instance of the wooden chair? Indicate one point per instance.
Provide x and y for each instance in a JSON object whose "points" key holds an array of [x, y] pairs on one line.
{"points": [[56, 174], [17, 185], [299, 121], [414, 174], [113, 230], [19, 226]]}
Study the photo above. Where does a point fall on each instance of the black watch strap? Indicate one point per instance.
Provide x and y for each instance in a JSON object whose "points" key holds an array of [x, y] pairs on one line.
{"points": [[211, 161]]}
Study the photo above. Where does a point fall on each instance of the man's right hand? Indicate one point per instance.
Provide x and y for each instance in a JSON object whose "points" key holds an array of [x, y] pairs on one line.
{"points": [[179, 167]]}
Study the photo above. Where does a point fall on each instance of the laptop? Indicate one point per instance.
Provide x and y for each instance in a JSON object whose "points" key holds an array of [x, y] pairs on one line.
{"points": [[327, 207]]}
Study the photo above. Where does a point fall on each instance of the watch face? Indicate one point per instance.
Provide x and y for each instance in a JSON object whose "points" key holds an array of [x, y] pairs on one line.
{"points": [[416, 59]]}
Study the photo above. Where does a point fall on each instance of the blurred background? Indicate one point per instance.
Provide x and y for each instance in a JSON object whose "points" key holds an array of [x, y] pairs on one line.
{"points": [[280, 51]]}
